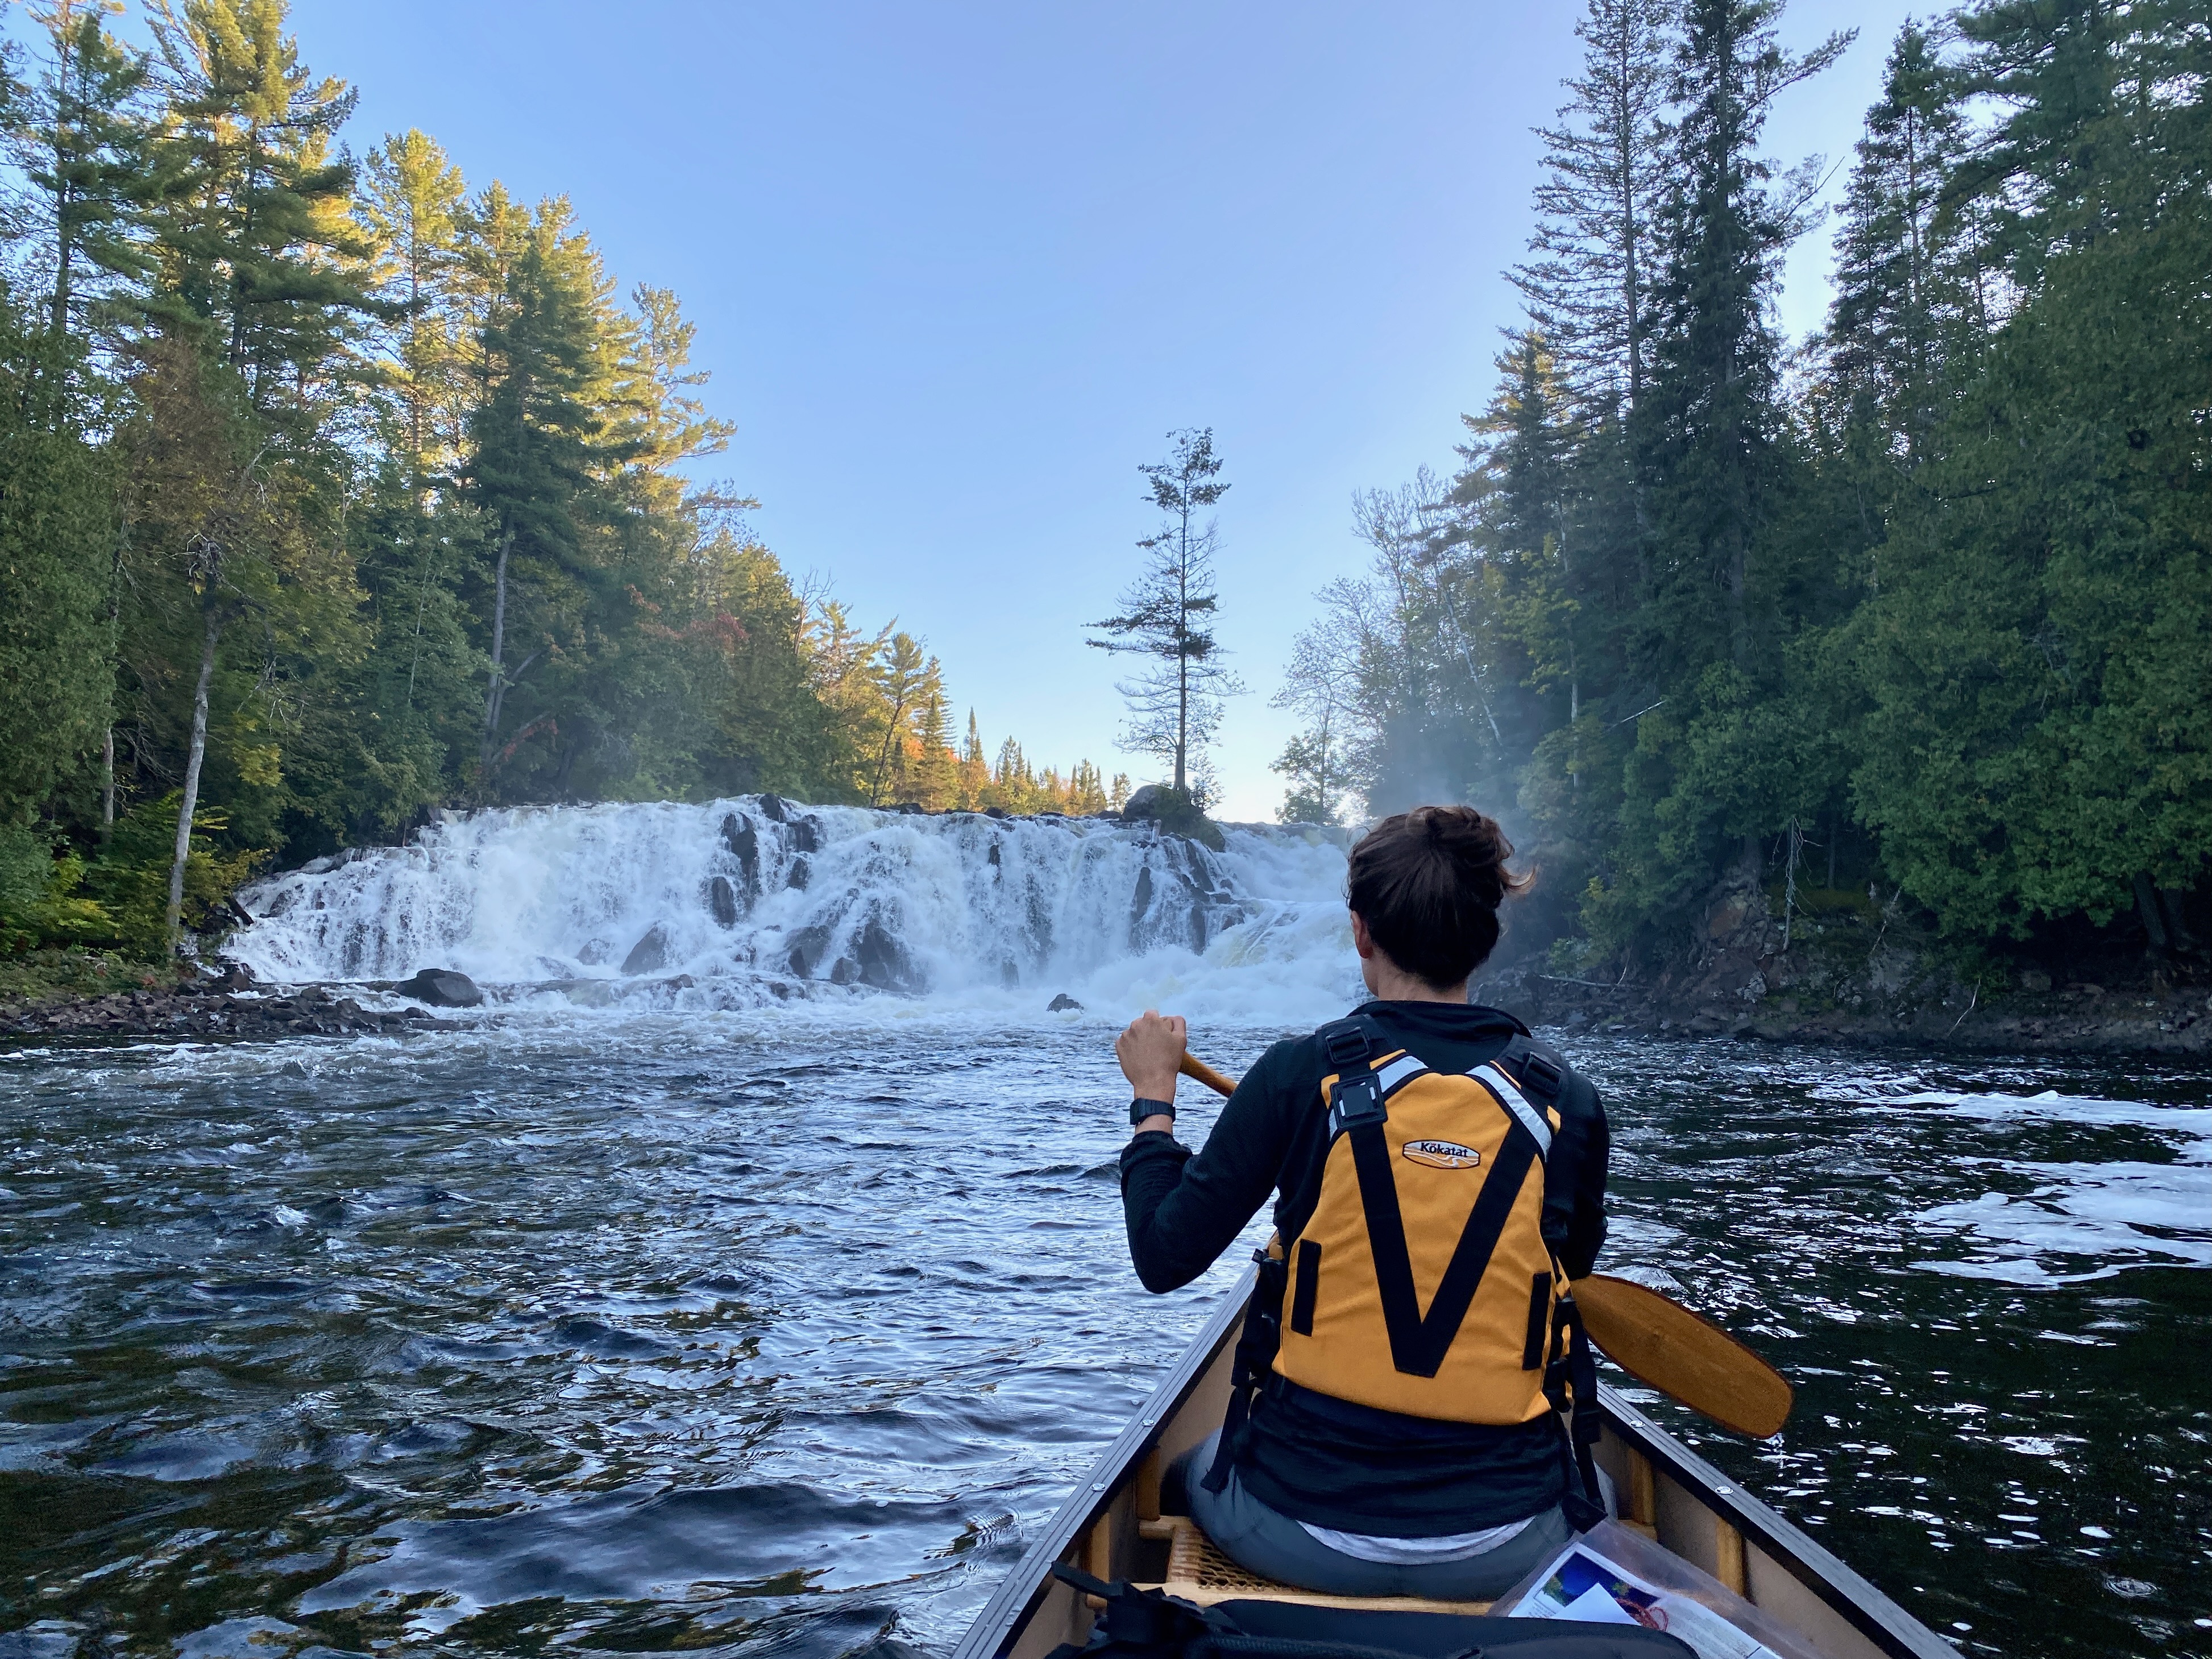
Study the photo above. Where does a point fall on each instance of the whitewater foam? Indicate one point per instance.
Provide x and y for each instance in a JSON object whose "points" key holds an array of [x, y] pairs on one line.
{"points": [[755, 900]]}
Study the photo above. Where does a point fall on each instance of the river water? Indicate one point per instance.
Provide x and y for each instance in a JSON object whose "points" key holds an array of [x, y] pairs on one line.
{"points": [[731, 1319]]}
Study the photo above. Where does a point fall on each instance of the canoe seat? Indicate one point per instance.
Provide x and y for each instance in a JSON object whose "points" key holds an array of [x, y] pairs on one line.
{"points": [[1199, 1572]]}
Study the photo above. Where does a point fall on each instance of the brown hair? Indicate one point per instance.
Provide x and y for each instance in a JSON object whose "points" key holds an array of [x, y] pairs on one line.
{"points": [[1428, 883]]}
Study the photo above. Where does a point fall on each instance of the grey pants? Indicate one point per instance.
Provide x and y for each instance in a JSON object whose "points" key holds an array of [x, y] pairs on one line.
{"points": [[1270, 1543]]}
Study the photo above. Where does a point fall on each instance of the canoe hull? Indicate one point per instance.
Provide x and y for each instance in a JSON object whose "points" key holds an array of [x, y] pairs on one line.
{"points": [[1666, 1490]]}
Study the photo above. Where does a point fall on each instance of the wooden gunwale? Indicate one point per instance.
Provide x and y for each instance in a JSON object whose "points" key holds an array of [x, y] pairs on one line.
{"points": [[1886, 1628]]}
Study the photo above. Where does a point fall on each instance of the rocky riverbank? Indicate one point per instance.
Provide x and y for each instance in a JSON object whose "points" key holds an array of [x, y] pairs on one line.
{"points": [[229, 1006], [1840, 970]]}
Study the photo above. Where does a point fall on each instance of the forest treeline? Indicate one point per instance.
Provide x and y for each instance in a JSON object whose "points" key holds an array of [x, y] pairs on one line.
{"points": [[1917, 611], [332, 488]]}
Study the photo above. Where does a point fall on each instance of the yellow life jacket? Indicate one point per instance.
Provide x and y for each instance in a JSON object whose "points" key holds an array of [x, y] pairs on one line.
{"points": [[1421, 1282]]}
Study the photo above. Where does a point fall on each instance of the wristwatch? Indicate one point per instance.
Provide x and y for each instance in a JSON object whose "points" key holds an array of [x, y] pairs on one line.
{"points": [[1140, 1109]]}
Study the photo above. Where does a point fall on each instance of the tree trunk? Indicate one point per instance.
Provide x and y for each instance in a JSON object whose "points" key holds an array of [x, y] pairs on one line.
{"points": [[2147, 907], [193, 755], [1182, 651], [493, 694], [106, 785]]}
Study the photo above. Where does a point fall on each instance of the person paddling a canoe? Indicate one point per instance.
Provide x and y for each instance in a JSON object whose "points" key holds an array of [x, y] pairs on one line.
{"points": [[1438, 1178]]}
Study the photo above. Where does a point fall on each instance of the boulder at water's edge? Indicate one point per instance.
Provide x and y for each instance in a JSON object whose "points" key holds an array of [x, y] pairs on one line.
{"points": [[442, 988]]}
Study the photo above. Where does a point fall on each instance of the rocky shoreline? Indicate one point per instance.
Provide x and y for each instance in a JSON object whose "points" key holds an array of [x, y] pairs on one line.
{"points": [[212, 1009], [2085, 1020], [1859, 975]]}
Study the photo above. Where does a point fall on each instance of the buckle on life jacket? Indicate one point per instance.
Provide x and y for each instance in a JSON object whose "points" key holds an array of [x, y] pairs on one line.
{"points": [[1345, 1042], [1536, 1071], [1355, 1102]]}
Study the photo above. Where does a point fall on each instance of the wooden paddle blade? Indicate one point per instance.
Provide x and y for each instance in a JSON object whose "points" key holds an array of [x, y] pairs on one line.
{"points": [[1193, 1067], [1659, 1341]]}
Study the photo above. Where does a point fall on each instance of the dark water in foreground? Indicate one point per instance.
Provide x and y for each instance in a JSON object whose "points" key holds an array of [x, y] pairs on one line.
{"points": [[649, 1336]]}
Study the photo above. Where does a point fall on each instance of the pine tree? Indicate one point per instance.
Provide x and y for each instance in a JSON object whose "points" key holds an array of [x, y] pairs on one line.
{"points": [[2055, 169], [903, 679], [1176, 703], [975, 770], [261, 253], [1597, 234], [540, 452], [411, 200], [1898, 300], [936, 779], [85, 145], [57, 536], [1711, 422]]}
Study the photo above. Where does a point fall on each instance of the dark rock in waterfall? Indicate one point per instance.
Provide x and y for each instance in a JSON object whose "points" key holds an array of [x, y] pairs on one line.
{"points": [[1139, 901], [801, 873], [743, 840], [772, 809], [911, 809], [804, 835], [994, 811], [650, 954], [992, 857], [596, 953], [806, 948], [882, 960], [442, 988], [722, 900], [1063, 1004], [1175, 813]]}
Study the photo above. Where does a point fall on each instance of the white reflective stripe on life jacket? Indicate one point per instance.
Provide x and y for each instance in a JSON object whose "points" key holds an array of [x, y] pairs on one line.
{"points": [[1510, 1095], [1404, 1069]]}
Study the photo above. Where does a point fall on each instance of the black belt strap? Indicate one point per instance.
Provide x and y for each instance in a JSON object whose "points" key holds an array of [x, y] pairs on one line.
{"points": [[1256, 1347]]}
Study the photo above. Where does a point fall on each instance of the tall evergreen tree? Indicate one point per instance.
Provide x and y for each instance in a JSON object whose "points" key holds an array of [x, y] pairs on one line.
{"points": [[540, 446], [1175, 701], [411, 200], [1900, 297], [58, 530], [261, 253], [1596, 243], [84, 144], [1709, 429]]}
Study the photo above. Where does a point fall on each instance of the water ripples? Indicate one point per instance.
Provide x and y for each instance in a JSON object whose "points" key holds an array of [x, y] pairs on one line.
{"points": [[771, 1334]]}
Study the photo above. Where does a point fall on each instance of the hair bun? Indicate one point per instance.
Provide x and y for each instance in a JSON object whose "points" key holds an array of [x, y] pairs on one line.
{"points": [[1428, 883]]}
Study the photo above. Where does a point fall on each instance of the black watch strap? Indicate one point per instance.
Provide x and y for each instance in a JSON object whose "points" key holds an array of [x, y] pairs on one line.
{"points": [[1140, 1109]]}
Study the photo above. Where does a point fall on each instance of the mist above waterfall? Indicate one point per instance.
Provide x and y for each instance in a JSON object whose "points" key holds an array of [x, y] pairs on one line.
{"points": [[746, 902]]}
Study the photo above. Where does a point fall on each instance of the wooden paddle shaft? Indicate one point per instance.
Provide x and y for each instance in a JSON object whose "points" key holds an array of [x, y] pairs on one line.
{"points": [[1193, 1067], [1654, 1339]]}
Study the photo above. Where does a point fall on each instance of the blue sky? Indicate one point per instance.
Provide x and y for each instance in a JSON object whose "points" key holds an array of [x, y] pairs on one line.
{"points": [[958, 268]]}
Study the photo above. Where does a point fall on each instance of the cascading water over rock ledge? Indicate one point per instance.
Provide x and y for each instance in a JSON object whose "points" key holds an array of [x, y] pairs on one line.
{"points": [[738, 901]]}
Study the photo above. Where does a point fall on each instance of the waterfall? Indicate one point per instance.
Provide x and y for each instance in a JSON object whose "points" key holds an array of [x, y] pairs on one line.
{"points": [[744, 902]]}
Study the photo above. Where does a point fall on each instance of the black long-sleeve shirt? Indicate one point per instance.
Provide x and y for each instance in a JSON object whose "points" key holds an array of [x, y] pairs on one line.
{"points": [[1329, 1462]]}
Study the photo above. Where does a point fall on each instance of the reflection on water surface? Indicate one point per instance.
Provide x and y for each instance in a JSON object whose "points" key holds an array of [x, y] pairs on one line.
{"points": [[758, 1331]]}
